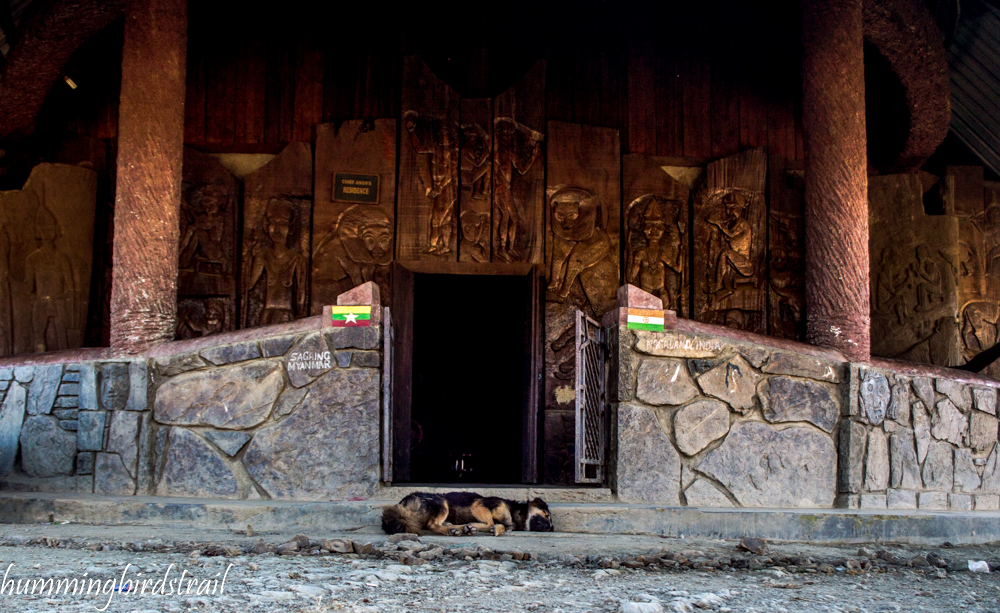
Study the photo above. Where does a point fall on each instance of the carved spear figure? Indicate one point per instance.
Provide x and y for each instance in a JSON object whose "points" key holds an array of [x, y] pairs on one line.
{"points": [[437, 139], [49, 274], [517, 149], [284, 269]]}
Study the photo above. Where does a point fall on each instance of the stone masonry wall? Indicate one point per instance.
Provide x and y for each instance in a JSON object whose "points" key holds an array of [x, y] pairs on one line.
{"points": [[291, 416], [712, 422], [919, 442]]}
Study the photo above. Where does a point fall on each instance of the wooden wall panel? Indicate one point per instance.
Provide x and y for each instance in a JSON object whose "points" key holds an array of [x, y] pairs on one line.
{"points": [[475, 179]]}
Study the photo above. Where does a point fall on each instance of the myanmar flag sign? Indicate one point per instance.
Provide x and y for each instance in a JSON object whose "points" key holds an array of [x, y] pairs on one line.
{"points": [[350, 316], [645, 319]]}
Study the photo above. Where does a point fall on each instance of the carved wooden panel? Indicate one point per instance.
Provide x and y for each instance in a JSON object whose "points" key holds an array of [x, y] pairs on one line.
{"points": [[207, 248], [786, 261], [730, 244], [277, 224], [428, 166], [582, 264], [519, 170], [979, 265], [475, 179], [352, 242], [656, 230], [914, 263], [46, 253]]}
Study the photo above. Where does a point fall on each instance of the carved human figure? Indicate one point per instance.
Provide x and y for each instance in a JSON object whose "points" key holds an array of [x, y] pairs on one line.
{"points": [[475, 155], [191, 323], [979, 326], [517, 150], [436, 139], [49, 275], [114, 386], [474, 234], [890, 283], [929, 280], [733, 264], [201, 249], [648, 263], [283, 270], [580, 248]]}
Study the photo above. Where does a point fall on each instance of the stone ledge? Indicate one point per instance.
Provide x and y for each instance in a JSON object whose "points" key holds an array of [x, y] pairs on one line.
{"points": [[811, 525]]}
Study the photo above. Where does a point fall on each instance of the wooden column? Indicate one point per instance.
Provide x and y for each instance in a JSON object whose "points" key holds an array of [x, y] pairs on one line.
{"points": [[150, 154], [836, 182]]}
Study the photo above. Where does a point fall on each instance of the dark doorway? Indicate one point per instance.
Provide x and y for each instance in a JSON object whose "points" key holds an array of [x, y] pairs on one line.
{"points": [[469, 365]]}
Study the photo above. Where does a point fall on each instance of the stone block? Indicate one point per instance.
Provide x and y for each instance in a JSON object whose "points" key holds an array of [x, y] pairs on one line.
{"points": [[982, 431], [933, 501], [24, 374], [6, 373], [959, 393], [353, 338], [110, 476], [308, 358], [228, 441], [85, 463], [192, 468], [365, 294], [65, 413], [985, 400], [701, 493], [43, 388], [4, 385], [852, 443], [664, 382], [949, 424], [630, 296], [960, 502], [784, 399], [88, 387], [65, 389], [757, 356], [847, 501], [229, 397], [924, 388], [228, 354], [67, 402], [144, 466], [174, 365], [71, 425], [966, 476], [733, 382], [648, 465], [289, 399], [986, 502], [342, 358], [11, 417], [873, 396], [799, 365], [904, 472], [899, 402], [764, 467], [921, 429], [70, 375], [873, 501], [877, 463], [90, 434], [113, 385], [276, 346], [676, 345], [138, 390], [700, 423], [939, 469], [46, 449], [366, 359], [340, 458], [991, 472], [123, 436], [901, 499]]}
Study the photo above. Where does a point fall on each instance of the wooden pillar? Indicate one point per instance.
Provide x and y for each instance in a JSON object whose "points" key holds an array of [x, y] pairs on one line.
{"points": [[836, 181], [150, 154]]}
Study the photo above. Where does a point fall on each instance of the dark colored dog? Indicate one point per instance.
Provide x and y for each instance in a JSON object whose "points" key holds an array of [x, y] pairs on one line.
{"points": [[457, 513]]}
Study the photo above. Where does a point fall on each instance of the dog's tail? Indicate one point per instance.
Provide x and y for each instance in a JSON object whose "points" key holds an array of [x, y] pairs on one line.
{"points": [[396, 519]]}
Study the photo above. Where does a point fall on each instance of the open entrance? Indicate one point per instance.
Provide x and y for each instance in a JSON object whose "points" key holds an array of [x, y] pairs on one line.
{"points": [[466, 373]]}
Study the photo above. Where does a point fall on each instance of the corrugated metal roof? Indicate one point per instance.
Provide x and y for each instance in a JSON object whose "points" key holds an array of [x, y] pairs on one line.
{"points": [[974, 57]]}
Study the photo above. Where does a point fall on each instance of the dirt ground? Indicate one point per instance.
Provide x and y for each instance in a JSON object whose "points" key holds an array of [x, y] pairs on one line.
{"points": [[517, 572]]}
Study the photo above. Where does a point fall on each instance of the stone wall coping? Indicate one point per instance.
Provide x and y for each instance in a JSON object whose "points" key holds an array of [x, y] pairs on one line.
{"points": [[164, 350], [69, 356]]}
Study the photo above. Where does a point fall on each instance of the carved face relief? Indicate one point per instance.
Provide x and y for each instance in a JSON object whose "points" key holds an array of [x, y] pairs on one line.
{"points": [[366, 234], [574, 214], [874, 395], [377, 239], [114, 386]]}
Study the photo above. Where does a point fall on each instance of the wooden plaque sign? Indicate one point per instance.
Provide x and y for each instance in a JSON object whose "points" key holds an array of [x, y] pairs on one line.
{"points": [[350, 187]]}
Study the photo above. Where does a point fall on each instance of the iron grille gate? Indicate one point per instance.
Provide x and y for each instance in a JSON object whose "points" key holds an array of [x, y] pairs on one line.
{"points": [[591, 400]]}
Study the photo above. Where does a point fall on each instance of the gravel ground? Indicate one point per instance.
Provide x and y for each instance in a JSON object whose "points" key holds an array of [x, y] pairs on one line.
{"points": [[520, 572]]}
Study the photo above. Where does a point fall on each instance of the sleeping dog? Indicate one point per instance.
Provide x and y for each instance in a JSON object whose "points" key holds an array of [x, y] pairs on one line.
{"points": [[457, 513]]}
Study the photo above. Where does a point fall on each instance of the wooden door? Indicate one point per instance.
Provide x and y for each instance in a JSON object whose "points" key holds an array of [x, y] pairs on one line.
{"points": [[533, 382], [401, 394]]}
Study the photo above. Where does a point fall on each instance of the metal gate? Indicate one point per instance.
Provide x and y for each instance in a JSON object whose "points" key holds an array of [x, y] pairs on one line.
{"points": [[591, 400]]}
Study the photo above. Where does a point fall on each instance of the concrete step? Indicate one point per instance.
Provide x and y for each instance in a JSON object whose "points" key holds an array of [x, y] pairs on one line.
{"points": [[803, 525]]}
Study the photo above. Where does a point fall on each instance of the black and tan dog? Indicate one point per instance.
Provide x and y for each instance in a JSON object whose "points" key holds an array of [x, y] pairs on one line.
{"points": [[457, 513]]}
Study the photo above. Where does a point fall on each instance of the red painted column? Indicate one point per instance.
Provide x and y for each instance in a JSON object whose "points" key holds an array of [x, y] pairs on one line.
{"points": [[150, 154], [836, 208]]}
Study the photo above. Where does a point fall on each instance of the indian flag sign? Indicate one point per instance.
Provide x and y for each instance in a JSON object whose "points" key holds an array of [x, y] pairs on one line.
{"points": [[645, 319], [350, 316]]}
